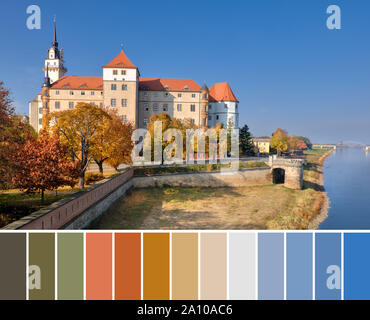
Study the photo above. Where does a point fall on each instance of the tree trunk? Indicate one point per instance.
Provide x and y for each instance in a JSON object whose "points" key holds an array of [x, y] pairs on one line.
{"points": [[100, 165], [81, 182], [42, 196]]}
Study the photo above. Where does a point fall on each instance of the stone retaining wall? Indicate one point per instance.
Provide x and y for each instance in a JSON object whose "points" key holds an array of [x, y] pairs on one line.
{"points": [[243, 178], [92, 201]]}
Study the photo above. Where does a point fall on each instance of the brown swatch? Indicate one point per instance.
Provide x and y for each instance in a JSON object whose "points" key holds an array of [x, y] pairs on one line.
{"points": [[127, 266], [12, 266], [156, 266]]}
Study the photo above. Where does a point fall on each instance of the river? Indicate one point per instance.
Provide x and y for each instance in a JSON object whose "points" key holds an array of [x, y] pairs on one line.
{"points": [[347, 182]]}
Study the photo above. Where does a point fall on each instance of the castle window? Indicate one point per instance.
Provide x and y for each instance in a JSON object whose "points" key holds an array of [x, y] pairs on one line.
{"points": [[124, 87], [57, 92], [193, 95], [123, 72], [146, 107], [113, 102], [192, 121], [57, 105], [40, 122], [179, 95], [71, 93], [113, 86], [179, 107], [217, 117], [155, 108], [165, 107], [205, 96], [236, 106], [209, 118], [225, 106], [92, 93], [115, 72], [40, 110], [166, 94], [82, 93], [210, 107], [192, 108], [124, 118], [71, 105], [101, 93], [146, 121], [124, 102]]}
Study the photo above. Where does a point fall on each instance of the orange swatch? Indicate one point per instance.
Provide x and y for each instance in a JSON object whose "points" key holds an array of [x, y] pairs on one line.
{"points": [[127, 266], [156, 266], [98, 266]]}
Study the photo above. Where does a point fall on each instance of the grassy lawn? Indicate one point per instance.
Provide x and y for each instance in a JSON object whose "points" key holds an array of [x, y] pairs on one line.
{"points": [[262, 207], [15, 205]]}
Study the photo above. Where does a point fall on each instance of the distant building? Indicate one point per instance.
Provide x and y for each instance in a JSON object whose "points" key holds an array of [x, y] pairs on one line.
{"points": [[135, 99], [263, 144]]}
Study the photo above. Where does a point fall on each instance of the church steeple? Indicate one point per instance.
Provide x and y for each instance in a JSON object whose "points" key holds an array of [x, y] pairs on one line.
{"points": [[54, 64]]}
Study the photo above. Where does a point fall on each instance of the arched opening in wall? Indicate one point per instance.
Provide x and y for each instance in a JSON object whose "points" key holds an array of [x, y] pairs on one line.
{"points": [[278, 176]]}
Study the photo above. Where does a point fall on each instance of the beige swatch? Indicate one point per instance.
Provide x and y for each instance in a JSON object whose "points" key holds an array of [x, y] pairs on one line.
{"points": [[213, 265], [184, 266]]}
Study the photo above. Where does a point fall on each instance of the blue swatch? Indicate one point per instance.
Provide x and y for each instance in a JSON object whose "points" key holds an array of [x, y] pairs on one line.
{"points": [[356, 266], [328, 266], [299, 269], [270, 266]]}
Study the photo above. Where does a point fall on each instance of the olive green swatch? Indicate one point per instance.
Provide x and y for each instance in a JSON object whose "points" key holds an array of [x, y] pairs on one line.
{"points": [[12, 266], [41, 255], [70, 266]]}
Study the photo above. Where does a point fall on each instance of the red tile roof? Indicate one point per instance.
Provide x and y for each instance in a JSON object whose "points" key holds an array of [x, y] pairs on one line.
{"points": [[221, 92], [157, 84], [79, 83], [121, 61]]}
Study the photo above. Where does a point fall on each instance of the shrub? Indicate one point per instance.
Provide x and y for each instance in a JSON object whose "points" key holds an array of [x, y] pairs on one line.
{"points": [[92, 178]]}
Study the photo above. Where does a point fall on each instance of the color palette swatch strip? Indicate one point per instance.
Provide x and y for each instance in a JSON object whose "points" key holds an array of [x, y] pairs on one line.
{"points": [[234, 265]]}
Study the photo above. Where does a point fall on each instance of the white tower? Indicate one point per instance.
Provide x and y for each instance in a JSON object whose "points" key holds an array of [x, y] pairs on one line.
{"points": [[54, 61]]}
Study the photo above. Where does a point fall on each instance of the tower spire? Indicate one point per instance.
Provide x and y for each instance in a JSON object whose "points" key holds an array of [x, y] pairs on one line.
{"points": [[55, 42]]}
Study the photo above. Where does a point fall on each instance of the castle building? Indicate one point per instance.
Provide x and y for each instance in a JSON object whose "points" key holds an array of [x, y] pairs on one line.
{"points": [[135, 98]]}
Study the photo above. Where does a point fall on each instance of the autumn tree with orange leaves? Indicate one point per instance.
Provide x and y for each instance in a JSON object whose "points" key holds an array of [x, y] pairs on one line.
{"points": [[113, 142], [120, 144], [79, 130], [42, 165], [13, 133]]}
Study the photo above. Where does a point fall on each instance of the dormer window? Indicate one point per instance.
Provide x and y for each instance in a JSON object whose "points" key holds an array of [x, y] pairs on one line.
{"points": [[186, 88]]}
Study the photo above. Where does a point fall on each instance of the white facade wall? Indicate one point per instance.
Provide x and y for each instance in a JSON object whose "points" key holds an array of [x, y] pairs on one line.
{"points": [[223, 112], [131, 74]]}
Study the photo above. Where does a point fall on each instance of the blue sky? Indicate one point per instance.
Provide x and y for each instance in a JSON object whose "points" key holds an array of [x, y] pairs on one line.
{"points": [[287, 69]]}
